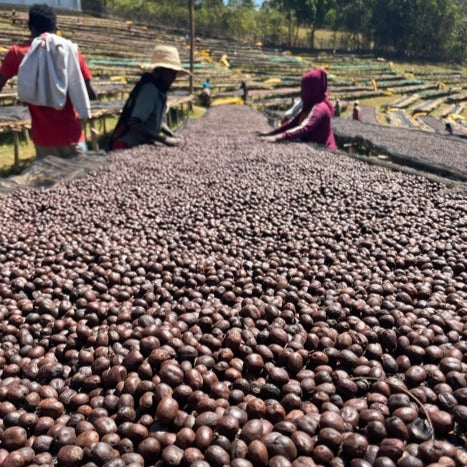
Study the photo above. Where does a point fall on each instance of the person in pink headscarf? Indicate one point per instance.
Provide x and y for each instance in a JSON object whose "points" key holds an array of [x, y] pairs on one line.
{"points": [[313, 123]]}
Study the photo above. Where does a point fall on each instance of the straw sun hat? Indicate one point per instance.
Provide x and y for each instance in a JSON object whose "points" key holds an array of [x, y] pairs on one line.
{"points": [[165, 56]]}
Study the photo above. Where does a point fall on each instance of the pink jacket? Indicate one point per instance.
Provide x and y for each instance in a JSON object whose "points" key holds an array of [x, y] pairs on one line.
{"points": [[313, 123]]}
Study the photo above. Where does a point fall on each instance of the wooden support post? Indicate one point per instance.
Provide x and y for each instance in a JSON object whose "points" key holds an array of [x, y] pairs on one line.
{"points": [[16, 147], [191, 11], [94, 143], [349, 147], [169, 117], [26, 134], [84, 125]]}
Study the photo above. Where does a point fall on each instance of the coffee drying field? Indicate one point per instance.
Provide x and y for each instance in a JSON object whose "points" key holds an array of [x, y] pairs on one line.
{"points": [[231, 302]]}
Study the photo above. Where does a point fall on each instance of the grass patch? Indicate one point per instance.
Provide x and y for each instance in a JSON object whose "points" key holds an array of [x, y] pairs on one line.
{"points": [[197, 112], [324, 39], [27, 153], [420, 67], [380, 101]]}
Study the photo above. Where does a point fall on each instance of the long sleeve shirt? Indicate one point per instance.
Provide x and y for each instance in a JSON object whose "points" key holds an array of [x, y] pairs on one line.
{"points": [[50, 127], [313, 127], [149, 108]]}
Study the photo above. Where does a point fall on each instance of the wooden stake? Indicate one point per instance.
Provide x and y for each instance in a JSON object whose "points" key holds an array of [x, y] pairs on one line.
{"points": [[192, 41], [16, 144], [94, 143]]}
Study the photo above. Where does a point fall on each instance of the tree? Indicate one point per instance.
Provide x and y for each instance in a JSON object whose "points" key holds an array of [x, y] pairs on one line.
{"points": [[271, 24], [430, 29], [213, 3], [435, 32], [94, 6], [298, 13], [318, 14], [355, 16]]}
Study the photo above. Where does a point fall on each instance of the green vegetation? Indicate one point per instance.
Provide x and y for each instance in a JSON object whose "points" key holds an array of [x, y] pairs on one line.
{"points": [[26, 152], [197, 112], [416, 29]]}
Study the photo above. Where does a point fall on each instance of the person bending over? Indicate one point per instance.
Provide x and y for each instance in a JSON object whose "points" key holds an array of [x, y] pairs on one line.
{"points": [[313, 122], [142, 118]]}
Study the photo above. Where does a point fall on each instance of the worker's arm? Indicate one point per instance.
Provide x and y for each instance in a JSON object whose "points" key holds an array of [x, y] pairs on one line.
{"points": [[166, 130], [149, 101], [307, 127], [284, 127], [9, 66], [87, 75], [91, 92], [168, 141], [303, 130], [136, 125]]}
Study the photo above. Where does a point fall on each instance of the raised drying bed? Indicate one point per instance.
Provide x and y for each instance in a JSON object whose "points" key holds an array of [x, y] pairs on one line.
{"points": [[441, 155]]}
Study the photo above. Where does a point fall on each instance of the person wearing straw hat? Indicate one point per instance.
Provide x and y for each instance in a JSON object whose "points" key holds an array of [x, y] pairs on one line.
{"points": [[142, 118]]}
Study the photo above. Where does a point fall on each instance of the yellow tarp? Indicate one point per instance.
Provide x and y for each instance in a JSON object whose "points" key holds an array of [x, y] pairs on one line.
{"points": [[206, 55], [224, 61], [273, 81], [227, 100]]}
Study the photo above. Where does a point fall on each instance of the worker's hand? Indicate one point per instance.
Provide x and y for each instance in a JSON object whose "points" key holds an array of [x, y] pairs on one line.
{"points": [[272, 138], [172, 141]]}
